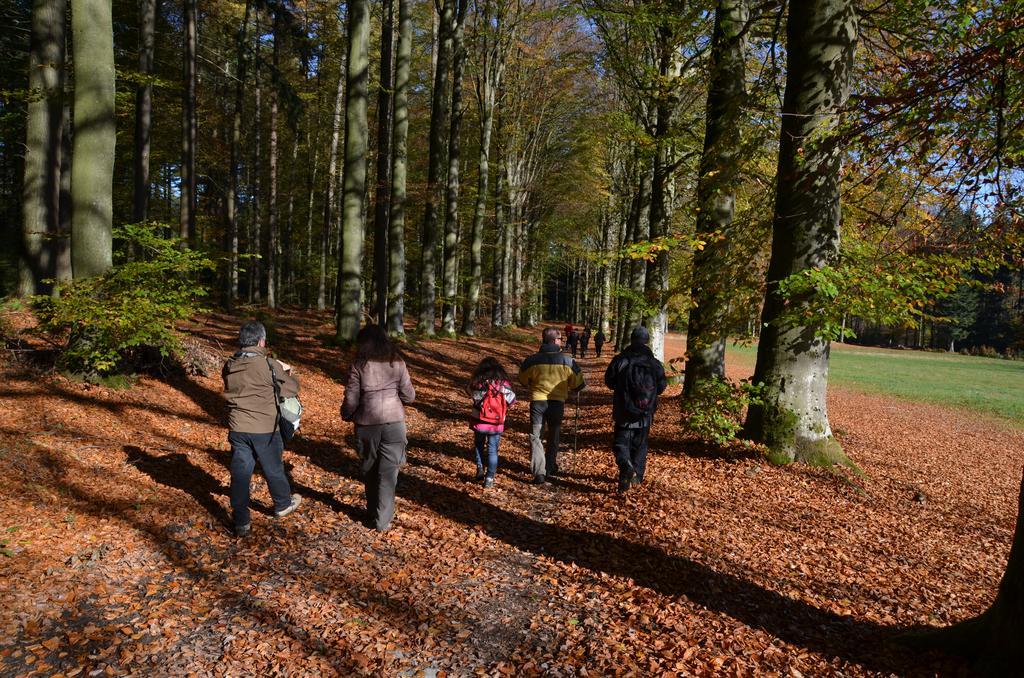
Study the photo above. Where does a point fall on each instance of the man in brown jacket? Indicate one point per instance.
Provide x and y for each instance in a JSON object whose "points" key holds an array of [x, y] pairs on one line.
{"points": [[252, 420]]}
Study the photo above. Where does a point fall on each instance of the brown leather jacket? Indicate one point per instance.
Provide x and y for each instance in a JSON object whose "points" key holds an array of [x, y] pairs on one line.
{"points": [[250, 393], [376, 393]]}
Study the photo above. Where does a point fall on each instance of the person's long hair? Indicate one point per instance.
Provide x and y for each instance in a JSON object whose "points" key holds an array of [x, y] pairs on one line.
{"points": [[489, 370], [374, 345]]}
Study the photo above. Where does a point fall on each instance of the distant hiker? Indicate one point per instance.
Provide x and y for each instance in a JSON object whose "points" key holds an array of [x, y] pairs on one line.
{"points": [[567, 330], [637, 378], [252, 419], [572, 341], [599, 340], [492, 395], [584, 341], [377, 391], [550, 375]]}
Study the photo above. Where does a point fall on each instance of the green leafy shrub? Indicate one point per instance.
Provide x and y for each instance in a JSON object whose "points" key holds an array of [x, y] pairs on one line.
{"points": [[109, 321], [715, 411]]}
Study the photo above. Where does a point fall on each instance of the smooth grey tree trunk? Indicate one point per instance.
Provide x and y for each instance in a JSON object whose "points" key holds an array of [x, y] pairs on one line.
{"points": [[396, 236], [63, 273], [435, 170], [143, 111], [992, 639], [92, 169], [329, 208], [381, 251], [609, 242], [236, 143], [450, 263], [286, 275], [41, 186], [479, 212], [188, 127], [656, 280], [640, 230], [350, 259], [716, 190], [256, 240], [272, 224], [502, 256], [494, 53], [792, 359]]}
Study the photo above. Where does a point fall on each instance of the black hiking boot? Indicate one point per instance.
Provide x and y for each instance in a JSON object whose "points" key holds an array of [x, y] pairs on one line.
{"points": [[539, 479], [480, 473], [626, 480]]}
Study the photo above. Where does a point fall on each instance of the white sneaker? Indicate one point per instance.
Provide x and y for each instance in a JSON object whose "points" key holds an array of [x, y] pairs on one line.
{"points": [[296, 500]]}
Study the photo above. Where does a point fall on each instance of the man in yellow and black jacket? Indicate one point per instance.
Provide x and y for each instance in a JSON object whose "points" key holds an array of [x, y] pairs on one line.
{"points": [[550, 375]]}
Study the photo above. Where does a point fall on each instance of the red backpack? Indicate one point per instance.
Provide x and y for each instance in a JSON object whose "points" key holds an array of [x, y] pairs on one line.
{"points": [[494, 406]]}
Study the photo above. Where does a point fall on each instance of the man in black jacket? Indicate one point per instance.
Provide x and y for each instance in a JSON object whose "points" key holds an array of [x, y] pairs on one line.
{"points": [[637, 378]]}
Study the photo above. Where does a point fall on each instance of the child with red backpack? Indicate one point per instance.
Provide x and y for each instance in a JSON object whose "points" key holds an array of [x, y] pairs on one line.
{"points": [[492, 395]]}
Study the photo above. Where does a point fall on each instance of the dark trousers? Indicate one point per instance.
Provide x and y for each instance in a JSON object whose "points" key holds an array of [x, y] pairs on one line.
{"points": [[246, 448], [597, 349], [545, 412], [583, 348], [488, 442], [630, 449], [381, 449]]}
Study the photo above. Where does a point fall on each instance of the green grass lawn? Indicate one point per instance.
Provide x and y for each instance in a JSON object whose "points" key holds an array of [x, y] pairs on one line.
{"points": [[988, 386]]}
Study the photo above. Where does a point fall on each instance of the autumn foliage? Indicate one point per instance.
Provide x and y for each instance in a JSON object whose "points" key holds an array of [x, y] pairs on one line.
{"points": [[117, 555]]}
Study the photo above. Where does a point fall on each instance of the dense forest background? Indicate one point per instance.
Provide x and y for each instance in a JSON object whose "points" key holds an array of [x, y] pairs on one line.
{"points": [[575, 102], [790, 174]]}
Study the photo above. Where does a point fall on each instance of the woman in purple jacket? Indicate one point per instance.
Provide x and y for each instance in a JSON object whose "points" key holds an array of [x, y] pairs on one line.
{"points": [[375, 397]]}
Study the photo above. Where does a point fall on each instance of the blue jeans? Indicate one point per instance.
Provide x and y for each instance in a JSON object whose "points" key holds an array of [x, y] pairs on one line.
{"points": [[245, 449], [491, 440]]}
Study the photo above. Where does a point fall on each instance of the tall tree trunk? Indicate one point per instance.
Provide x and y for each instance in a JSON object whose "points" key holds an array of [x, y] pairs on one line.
{"points": [[486, 108], [188, 127], [286, 276], [143, 111], [92, 169], [236, 143], [41, 186], [501, 255], [609, 242], [256, 241], [639, 230], [435, 170], [329, 207], [311, 197], [272, 225], [517, 230], [381, 251], [451, 212], [792, 359], [992, 639], [350, 261], [396, 235], [656, 283], [716, 189], [63, 251]]}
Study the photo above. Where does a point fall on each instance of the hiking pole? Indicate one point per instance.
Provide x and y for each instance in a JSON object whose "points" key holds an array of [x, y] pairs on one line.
{"points": [[576, 424]]}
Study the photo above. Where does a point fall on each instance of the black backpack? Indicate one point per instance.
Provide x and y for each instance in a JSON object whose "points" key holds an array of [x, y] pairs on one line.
{"points": [[641, 389]]}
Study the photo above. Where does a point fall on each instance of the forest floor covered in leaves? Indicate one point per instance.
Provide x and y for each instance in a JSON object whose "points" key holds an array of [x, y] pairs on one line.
{"points": [[117, 557]]}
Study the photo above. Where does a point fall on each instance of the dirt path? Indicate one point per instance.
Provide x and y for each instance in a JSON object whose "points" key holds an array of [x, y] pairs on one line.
{"points": [[118, 559]]}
